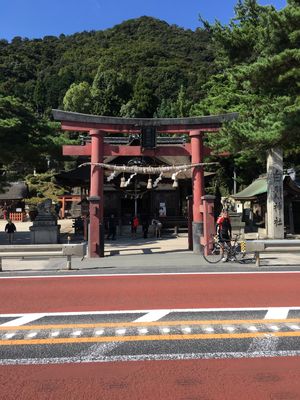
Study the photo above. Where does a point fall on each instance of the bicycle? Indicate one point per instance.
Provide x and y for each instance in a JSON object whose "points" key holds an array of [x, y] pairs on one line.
{"points": [[215, 250]]}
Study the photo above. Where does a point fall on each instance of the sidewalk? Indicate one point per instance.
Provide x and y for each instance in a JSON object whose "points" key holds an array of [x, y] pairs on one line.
{"points": [[126, 254]]}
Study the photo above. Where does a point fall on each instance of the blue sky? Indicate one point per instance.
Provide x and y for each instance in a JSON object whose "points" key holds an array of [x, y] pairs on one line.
{"points": [[37, 18]]}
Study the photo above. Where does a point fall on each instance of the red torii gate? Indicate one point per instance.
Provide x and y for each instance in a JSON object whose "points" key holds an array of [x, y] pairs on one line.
{"points": [[99, 126]]}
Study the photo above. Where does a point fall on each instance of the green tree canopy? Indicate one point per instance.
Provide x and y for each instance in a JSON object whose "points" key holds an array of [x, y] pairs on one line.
{"points": [[258, 62], [27, 141], [78, 98], [109, 92]]}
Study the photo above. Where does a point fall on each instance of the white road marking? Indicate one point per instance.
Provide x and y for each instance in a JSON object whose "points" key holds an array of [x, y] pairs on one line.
{"points": [[24, 319], [99, 332], [229, 328], [98, 350], [152, 316], [264, 345], [120, 331], [32, 335], [76, 333], [9, 335], [149, 274], [143, 331], [294, 327], [166, 311], [252, 328], [277, 313], [209, 329], [186, 329], [274, 328], [148, 357], [165, 330], [55, 334]]}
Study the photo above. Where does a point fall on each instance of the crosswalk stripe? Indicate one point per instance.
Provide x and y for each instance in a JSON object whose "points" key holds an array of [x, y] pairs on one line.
{"points": [[277, 313], [25, 319]]}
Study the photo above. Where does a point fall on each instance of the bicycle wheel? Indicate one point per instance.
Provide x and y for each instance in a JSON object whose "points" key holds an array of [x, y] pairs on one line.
{"points": [[212, 253], [238, 254]]}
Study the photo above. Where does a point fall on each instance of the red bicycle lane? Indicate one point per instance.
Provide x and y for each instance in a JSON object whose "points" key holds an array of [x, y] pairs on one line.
{"points": [[138, 292]]}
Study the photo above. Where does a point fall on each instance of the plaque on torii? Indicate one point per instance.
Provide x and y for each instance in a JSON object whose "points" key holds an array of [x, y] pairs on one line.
{"points": [[148, 137]]}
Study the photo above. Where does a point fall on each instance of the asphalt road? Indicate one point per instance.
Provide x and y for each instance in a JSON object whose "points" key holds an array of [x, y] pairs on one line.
{"points": [[189, 336]]}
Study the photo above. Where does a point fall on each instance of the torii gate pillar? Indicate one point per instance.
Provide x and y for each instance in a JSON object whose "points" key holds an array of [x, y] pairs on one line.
{"points": [[96, 236], [198, 188]]}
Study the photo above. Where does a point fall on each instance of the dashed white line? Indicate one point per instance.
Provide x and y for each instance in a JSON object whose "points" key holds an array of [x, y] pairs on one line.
{"points": [[32, 335], [209, 329], [143, 331], [9, 335], [186, 329], [55, 334], [76, 333], [99, 332], [252, 328], [120, 331], [274, 328], [294, 327], [229, 328]]}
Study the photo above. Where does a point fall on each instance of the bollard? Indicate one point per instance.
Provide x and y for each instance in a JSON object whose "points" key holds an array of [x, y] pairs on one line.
{"points": [[257, 260], [69, 262], [68, 239]]}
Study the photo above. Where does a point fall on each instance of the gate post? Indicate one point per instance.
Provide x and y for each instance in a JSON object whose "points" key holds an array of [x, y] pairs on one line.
{"points": [[190, 221], [207, 210], [96, 242], [198, 187]]}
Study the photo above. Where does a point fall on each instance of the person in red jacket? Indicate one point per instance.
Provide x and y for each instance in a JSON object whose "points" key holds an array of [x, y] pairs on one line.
{"points": [[224, 231], [134, 225]]}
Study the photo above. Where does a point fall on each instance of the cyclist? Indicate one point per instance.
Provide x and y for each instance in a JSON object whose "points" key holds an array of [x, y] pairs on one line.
{"points": [[224, 231]]}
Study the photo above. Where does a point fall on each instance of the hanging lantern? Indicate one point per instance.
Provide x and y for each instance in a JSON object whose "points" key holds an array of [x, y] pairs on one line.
{"points": [[175, 181], [122, 184], [158, 179], [111, 176], [149, 184], [129, 179]]}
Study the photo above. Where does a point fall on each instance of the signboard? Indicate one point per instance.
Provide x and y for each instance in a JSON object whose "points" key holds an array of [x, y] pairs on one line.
{"points": [[275, 197], [85, 207], [162, 209], [148, 137]]}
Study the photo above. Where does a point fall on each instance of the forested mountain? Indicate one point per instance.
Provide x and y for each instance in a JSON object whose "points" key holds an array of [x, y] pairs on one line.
{"points": [[146, 68], [147, 54]]}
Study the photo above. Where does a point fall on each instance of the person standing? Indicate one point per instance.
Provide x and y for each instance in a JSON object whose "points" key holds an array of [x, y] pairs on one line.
{"points": [[134, 225], [224, 232], [145, 226], [112, 227], [157, 228], [10, 229]]}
